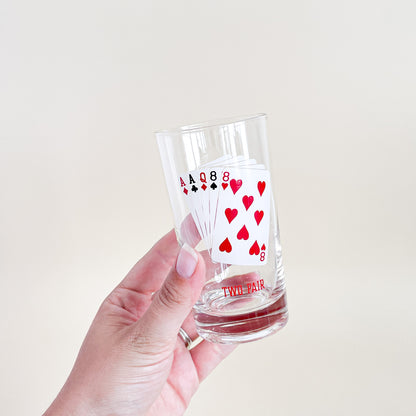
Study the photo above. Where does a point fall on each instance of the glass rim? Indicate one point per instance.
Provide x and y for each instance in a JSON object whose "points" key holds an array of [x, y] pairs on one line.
{"points": [[209, 124]]}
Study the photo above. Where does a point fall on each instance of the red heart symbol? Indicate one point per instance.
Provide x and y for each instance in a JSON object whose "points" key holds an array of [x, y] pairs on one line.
{"points": [[243, 234], [263, 247], [230, 214], [235, 185], [261, 186], [226, 246], [224, 185], [254, 249], [247, 201], [258, 216]]}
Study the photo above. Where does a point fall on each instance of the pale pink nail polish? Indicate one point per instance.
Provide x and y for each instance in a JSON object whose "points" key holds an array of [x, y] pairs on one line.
{"points": [[187, 261]]}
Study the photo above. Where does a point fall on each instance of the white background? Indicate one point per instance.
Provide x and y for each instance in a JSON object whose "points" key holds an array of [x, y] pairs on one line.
{"points": [[83, 85]]}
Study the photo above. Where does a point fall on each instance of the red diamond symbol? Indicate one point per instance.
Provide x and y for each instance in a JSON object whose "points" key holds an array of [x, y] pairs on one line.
{"points": [[185, 191], [204, 187]]}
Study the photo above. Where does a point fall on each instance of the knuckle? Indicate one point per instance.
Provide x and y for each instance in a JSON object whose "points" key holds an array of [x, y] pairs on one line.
{"points": [[143, 342], [171, 295]]}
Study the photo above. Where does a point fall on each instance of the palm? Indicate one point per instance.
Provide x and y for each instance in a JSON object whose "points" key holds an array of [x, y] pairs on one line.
{"points": [[123, 308], [180, 386]]}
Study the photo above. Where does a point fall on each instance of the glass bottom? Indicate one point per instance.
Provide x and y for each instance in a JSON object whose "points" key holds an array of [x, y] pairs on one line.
{"points": [[235, 328]]}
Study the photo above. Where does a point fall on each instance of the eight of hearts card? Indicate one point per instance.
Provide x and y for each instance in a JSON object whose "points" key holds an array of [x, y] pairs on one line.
{"points": [[230, 206]]}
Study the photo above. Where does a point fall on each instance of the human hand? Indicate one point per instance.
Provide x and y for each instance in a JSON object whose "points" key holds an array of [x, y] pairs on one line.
{"points": [[132, 361]]}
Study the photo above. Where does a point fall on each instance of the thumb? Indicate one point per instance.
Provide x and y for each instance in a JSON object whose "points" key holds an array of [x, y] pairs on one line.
{"points": [[160, 324]]}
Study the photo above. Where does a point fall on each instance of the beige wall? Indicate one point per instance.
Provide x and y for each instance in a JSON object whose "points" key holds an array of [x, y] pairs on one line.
{"points": [[84, 84]]}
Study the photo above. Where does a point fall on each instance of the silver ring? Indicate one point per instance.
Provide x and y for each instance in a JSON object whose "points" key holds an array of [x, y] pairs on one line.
{"points": [[185, 338]]}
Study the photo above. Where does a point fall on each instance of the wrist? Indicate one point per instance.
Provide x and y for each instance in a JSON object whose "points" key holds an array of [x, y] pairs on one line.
{"points": [[69, 405]]}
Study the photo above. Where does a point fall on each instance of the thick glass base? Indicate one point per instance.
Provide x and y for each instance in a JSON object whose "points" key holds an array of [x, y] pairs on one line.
{"points": [[235, 328]]}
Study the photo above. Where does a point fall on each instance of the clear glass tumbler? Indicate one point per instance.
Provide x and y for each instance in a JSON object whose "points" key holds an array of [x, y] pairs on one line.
{"points": [[218, 178]]}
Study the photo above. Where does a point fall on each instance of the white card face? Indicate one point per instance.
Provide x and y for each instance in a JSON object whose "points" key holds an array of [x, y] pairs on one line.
{"points": [[200, 199], [206, 182], [241, 229], [200, 189]]}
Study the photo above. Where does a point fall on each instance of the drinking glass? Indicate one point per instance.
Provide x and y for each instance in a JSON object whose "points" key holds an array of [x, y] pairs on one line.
{"points": [[219, 184]]}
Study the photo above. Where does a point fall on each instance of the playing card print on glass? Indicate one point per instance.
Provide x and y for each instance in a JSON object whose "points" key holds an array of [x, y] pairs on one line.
{"points": [[241, 192]]}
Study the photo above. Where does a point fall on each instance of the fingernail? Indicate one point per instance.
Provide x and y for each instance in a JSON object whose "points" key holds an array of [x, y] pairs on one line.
{"points": [[187, 261]]}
